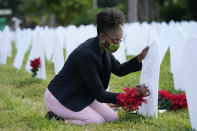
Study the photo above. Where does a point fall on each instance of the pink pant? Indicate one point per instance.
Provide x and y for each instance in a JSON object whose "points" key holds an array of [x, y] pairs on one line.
{"points": [[96, 112]]}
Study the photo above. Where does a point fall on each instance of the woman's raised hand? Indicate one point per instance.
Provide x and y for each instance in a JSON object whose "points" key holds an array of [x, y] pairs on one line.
{"points": [[143, 53]]}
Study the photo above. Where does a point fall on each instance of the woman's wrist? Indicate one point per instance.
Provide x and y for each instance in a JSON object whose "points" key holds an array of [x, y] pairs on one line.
{"points": [[139, 58]]}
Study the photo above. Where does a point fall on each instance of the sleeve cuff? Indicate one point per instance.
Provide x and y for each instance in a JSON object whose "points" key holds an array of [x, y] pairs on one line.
{"points": [[139, 64]]}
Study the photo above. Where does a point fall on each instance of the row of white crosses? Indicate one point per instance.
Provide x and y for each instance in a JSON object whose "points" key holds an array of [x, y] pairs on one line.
{"points": [[49, 43]]}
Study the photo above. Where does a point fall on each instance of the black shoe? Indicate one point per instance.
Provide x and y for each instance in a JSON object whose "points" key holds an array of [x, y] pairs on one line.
{"points": [[51, 115]]}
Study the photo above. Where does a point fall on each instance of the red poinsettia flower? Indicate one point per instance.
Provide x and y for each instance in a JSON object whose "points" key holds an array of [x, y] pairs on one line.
{"points": [[164, 94], [179, 101], [172, 101], [35, 65], [131, 99]]}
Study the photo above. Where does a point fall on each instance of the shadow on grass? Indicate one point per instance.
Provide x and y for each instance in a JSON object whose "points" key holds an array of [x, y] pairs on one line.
{"points": [[27, 82], [132, 117]]}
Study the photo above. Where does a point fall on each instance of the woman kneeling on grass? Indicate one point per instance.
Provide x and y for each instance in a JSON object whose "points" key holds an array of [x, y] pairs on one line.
{"points": [[78, 92]]}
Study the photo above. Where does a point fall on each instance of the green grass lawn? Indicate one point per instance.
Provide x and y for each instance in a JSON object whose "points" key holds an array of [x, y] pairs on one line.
{"points": [[22, 105]]}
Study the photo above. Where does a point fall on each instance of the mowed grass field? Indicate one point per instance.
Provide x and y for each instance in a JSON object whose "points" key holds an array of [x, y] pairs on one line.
{"points": [[22, 105]]}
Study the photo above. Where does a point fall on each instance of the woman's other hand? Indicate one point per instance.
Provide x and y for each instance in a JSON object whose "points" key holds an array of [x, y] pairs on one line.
{"points": [[143, 89]]}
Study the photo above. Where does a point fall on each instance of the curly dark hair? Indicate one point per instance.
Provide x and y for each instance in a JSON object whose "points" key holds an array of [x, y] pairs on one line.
{"points": [[109, 19]]}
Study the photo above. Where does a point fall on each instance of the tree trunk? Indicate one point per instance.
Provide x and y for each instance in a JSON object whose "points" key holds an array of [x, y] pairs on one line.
{"points": [[148, 10], [43, 21], [52, 20], [154, 12], [143, 10], [94, 4], [132, 10]]}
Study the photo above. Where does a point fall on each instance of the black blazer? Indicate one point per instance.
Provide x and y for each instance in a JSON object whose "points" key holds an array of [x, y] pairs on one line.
{"points": [[85, 76]]}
